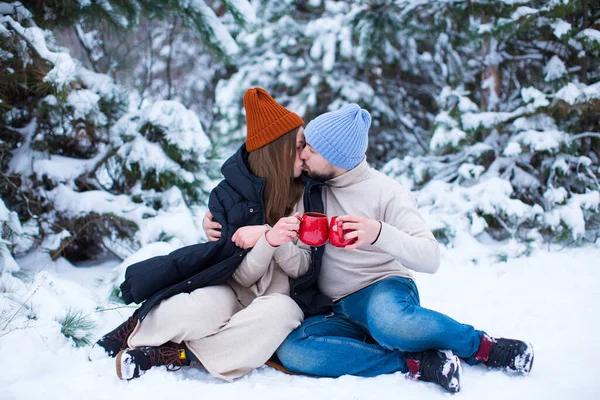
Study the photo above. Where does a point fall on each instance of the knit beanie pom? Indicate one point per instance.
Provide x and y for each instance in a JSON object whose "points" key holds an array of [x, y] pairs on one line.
{"points": [[365, 117]]}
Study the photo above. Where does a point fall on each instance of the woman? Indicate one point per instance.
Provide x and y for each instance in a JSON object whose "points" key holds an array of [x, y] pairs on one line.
{"points": [[235, 326]]}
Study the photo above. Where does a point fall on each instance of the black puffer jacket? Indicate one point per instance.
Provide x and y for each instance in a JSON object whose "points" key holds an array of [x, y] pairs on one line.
{"points": [[235, 202]]}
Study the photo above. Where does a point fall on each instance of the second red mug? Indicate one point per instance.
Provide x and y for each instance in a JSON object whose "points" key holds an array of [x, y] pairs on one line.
{"points": [[336, 238]]}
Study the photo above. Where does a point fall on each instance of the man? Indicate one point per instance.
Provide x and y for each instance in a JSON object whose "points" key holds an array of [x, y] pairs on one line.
{"points": [[378, 325]]}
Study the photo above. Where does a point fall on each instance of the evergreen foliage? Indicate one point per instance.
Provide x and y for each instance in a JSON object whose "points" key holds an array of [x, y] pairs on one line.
{"points": [[77, 327], [74, 162]]}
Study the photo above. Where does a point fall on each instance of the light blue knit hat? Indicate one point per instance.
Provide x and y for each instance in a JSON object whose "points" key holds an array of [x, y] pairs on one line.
{"points": [[341, 136]]}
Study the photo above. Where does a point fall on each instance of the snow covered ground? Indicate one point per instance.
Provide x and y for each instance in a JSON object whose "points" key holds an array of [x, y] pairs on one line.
{"points": [[551, 299]]}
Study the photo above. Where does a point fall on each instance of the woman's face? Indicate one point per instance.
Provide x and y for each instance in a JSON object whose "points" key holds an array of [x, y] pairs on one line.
{"points": [[300, 143]]}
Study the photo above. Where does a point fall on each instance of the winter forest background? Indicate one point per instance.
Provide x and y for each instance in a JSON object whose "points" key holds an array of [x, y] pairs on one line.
{"points": [[115, 116]]}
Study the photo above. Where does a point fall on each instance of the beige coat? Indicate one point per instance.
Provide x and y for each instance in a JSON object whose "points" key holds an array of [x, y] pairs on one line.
{"points": [[235, 327]]}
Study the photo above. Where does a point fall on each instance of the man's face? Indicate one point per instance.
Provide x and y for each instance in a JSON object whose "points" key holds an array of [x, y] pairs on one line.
{"points": [[315, 165]]}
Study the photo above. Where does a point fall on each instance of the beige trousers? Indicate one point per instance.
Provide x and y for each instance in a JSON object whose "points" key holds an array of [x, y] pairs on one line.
{"points": [[229, 340]]}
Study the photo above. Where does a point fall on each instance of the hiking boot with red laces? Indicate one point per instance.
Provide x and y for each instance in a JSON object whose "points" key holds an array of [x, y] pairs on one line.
{"points": [[513, 355], [114, 341], [132, 363], [437, 366]]}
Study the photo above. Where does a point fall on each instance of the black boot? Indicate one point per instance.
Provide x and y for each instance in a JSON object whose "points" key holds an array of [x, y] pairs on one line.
{"points": [[510, 354], [132, 363], [114, 341], [437, 366]]}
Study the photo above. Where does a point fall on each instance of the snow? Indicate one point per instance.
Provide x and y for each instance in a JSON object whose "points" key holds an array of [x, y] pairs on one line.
{"points": [[4, 212], [77, 204], [181, 126], [4, 55], [101, 84], [555, 195], [151, 158], [64, 70], [89, 39], [531, 93], [53, 242], [24, 157], [549, 140], [471, 120], [84, 103], [453, 208], [519, 298], [7, 262], [60, 169], [540, 122], [245, 9], [174, 220], [523, 11], [10, 218], [592, 35], [569, 93], [554, 69], [17, 8], [443, 137], [465, 104], [561, 165], [219, 34], [577, 93], [324, 32], [512, 149], [509, 2], [470, 171], [572, 216], [561, 27]]}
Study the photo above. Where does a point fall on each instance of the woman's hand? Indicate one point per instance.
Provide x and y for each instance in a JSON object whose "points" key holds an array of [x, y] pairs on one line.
{"points": [[285, 230], [247, 236], [211, 228]]}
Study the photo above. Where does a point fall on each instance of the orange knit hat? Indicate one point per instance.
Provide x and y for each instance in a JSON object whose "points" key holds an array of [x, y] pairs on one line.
{"points": [[266, 119]]}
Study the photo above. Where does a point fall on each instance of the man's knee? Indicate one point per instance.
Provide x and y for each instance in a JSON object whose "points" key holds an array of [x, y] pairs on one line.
{"points": [[392, 320]]}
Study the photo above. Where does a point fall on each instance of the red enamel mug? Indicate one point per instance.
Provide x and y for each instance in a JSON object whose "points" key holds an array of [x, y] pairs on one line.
{"points": [[314, 229], [336, 238]]}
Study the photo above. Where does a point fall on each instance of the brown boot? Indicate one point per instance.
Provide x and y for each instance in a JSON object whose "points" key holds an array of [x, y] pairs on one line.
{"points": [[132, 363], [114, 341]]}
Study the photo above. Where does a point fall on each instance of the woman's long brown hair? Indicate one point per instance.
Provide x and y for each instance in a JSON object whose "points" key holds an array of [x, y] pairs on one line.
{"points": [[275, 163]]}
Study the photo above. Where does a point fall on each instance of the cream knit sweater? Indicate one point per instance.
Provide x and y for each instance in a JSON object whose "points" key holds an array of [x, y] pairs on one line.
{"points": [[404, 244]]}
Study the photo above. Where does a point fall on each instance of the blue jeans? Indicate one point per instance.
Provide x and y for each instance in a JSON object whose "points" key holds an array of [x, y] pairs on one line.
{"points": [[372, 332]]}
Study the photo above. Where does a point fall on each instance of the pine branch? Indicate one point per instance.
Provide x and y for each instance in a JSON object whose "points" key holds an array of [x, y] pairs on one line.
{"points": [[584, 134], [77, 326], [88, 52]]}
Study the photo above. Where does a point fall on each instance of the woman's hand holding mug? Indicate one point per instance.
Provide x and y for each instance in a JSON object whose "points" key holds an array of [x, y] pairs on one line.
{"points": [[284, 231]]}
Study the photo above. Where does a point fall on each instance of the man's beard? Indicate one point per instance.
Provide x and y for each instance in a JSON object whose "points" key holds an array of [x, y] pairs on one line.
{"points": [[320, 176]]}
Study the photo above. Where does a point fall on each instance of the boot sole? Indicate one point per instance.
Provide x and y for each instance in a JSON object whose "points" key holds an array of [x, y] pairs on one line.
{"points": [[524, 363], [454, 373], [119, 365]]}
